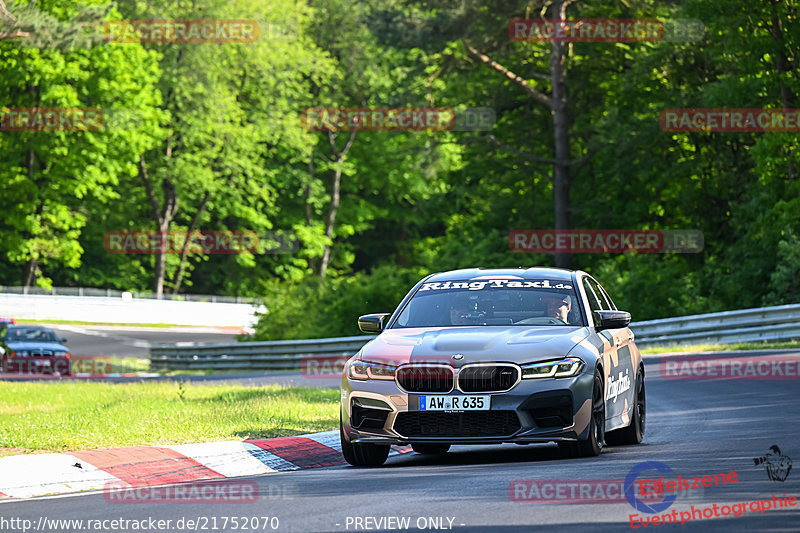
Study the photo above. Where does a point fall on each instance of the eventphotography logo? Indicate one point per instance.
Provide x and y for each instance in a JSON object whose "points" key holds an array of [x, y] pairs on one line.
{"points": [[632, 482], [775, 463]]}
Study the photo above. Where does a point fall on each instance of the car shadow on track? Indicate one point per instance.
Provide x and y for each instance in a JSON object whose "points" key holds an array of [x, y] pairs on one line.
{"points": [[467, 455]]}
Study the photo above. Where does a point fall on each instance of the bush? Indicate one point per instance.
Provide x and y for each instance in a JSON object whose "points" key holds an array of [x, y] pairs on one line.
{"points": [[319, 308]]}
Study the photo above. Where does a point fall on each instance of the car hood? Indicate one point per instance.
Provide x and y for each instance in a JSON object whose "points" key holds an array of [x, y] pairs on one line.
{"points": [[54, 346], [515, 344]]}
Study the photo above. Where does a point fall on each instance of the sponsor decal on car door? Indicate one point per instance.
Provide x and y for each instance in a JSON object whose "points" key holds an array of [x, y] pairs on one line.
{"points": [[621, 377]]}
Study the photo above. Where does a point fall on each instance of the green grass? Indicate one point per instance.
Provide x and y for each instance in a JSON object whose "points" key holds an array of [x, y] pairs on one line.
{"points": [[59, 417], [724, 347]]}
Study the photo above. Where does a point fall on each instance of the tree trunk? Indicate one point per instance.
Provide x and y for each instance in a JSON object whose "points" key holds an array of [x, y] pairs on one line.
{"points": [[163, 218], [334, 208], [782, 66], [335, 196], [557, 104], [178, 278], [161, 262], [30, 272], [561, 134], [307, 194]]}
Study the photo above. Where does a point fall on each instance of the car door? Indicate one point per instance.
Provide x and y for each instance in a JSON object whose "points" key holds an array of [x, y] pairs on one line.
{"points": [[620, 371], [619, 375], [602, 340]]}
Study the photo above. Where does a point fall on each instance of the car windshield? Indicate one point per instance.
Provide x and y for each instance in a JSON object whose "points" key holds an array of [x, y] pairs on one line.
{"points": [[23, 334], [492, 302]]}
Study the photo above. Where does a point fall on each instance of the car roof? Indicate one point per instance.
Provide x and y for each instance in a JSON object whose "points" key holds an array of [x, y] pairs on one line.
{"points": [[524, 273]]}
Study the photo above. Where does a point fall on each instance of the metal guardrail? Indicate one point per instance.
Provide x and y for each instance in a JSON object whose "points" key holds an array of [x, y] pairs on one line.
{"points": [[269, 355], [114, 293], [776, 324]]}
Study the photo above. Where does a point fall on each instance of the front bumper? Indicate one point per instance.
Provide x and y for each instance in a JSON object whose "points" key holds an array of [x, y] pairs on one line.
{"points": [[533, 411]]}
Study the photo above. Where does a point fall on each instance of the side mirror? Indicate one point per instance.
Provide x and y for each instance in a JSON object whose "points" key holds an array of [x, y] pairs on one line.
{"points": [[63, 341], [373, 323], [612, 319]]}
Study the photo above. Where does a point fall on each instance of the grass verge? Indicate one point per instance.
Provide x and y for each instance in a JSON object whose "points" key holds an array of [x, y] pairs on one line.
{"points": [[724, 347], [58, 417]]}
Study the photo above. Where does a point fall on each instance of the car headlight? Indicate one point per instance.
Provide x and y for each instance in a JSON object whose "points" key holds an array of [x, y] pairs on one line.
{"points": [[562, 368], [363, 370], [20, 353]]}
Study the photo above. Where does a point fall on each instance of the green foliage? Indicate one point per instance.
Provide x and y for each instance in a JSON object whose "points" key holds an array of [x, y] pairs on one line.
{"points": [[318, 308], [784, 281], [51, 177]]}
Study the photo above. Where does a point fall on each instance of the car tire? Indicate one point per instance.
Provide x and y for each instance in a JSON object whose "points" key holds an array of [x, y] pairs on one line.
{"points": [[634, 433], [362, 454], [593, 445], [430, 449]]}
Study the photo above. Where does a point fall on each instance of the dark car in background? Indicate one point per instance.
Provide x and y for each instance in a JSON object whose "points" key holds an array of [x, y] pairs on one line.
{"points": [[33, 350], [487, 356]]}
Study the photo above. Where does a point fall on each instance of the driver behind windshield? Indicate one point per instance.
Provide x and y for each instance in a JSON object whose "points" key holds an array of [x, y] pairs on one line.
{"points": [[558, 306], [460, 311]]}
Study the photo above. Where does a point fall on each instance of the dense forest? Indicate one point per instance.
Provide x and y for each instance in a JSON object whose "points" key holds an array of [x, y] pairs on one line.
{"points": [[208, 137]]}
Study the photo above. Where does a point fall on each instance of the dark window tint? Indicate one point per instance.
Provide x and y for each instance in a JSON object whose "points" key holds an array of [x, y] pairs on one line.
{"points": [[595, 303]]}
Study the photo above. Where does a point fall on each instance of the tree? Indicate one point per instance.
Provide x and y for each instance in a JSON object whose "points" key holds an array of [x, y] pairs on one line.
{"points": [[47, 175], [221, 100]]}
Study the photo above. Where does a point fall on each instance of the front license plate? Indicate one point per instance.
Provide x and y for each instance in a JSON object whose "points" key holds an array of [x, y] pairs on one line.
{"points": [[454, 403]]}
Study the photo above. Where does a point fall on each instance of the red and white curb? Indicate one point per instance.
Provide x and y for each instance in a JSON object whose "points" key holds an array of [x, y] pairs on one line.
{"points": [[27, 476]]}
